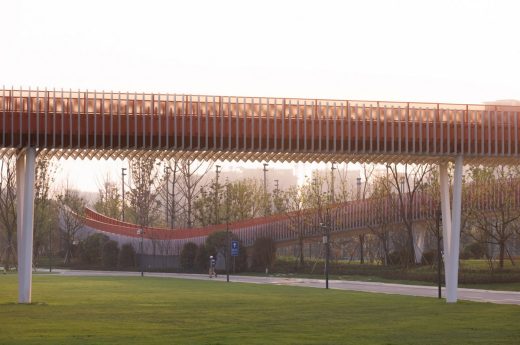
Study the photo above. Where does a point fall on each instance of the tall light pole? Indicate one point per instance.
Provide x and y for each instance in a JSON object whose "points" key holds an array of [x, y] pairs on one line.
{"points": [[218, 169], [332, 168], [140, 231], [123, 193], [228, 239], [266, 212], [167, 189], [326, 241]]}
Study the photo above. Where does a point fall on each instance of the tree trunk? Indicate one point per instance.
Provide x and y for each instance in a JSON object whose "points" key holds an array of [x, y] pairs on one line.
{"points": [[502, 246], [300, 243], [361, 245]]}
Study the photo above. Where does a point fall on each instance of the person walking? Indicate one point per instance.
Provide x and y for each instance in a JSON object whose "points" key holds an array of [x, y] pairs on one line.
{"points": [[212, 264]]}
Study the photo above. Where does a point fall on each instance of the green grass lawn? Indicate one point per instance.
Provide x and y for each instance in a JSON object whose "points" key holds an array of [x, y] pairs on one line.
{"points": [[134, 310]]}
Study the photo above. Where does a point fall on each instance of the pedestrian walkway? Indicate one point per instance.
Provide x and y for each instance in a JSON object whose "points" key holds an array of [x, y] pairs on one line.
{"points": [[476, 295]]}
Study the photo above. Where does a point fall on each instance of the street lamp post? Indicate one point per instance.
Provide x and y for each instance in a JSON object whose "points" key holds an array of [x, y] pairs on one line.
{"points": [[218, 170], [228, 239], [166, 185], [123, 193], [439, 255], [326, 241], [140, 232], [266, 212]]}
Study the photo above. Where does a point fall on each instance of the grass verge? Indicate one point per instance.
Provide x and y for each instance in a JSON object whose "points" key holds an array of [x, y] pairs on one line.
{"points": [[134, 310]]}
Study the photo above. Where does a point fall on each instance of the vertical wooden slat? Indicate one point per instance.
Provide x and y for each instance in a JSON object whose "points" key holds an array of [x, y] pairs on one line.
{"points": [[313, 124], [503, 141], [327, 126], [335, 127], [495, 117], [385, 128], [342, 111], [54, 118], [62, 129], [421, 113], [159, 124], [136, 127], [468, 131], [214, 124], [349, 132], [102, 119], [283, 125], [435, 122], [298, 126], [3, 116], [378, 127], [252, 122], [167, 120], [427, 114], [199, 122], [190, 114], [516, 132], [111, 110], [371, 128], [268, 129], [79, 118], [237, 124], [260, 124], [183, 117]]}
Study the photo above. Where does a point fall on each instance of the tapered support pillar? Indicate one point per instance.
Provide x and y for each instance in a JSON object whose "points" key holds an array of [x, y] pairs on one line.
{"points": [[25, 171], [451, 221]]}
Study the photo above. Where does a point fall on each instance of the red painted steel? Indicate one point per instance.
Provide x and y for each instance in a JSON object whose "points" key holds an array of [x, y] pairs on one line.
{"points": [[255, 128]]}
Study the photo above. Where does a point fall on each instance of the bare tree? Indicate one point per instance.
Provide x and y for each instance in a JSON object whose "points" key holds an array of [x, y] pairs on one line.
{"points": [[295, 202], [191, 175], [8, 211], [71, 208], [407, 185], [498, 218], [381, 210]]}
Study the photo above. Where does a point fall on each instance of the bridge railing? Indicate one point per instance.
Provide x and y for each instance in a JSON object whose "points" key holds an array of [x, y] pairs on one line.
{"points": [[108, 120]]}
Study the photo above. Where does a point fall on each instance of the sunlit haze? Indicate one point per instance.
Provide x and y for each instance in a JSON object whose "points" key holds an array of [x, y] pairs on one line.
{"points": [[439, 51]]}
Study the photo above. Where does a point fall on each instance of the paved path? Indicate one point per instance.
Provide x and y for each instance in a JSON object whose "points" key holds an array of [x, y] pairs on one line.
{"points": [[491, 296]]}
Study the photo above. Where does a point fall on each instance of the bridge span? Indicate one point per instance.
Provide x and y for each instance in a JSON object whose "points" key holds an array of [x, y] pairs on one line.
{"points": [[93, 124]]}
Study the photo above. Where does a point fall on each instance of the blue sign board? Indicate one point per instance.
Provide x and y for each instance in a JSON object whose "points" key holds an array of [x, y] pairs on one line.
{"points": [[234, 248]]}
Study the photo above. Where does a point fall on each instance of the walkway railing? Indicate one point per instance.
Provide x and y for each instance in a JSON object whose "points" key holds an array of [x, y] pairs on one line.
{"points": [[79, 123]]}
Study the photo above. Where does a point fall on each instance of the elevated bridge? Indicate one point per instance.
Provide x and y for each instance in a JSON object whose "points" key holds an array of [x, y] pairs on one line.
{"points": [[92, 124], [347, 218]]}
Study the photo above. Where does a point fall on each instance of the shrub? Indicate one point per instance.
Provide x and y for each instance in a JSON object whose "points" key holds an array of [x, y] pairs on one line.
{"points": [[90, 249], [109, 254], [188, 256], [202, 259], [474, 250], [429, 258], [264, 253], [127, 256]]}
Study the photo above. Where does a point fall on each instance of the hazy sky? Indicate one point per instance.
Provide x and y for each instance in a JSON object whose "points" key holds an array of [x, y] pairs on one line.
{"points": [[446, 51], [441, 51]]}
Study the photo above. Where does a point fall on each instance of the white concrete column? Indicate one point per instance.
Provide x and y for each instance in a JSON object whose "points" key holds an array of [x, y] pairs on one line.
{"points": [[20, 173], [454, 247], [444, 184], [25, 171], [451, 221]]}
